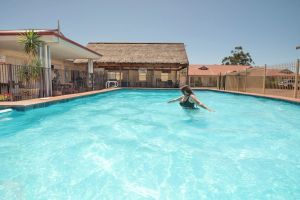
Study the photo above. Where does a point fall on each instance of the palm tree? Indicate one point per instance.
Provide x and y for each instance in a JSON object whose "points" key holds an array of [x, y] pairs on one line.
{"points": [[31, 41]]}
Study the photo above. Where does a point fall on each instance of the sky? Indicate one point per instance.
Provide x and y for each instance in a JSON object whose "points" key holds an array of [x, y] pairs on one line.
{"points": [[268, 29]]}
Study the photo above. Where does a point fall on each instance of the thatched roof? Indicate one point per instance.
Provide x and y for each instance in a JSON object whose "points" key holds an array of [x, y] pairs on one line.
{"points": [[159, 53]]}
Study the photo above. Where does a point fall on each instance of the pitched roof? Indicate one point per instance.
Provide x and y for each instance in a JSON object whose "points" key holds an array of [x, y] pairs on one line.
{"points": [[259, 71], [214, 70], [171, 53]]}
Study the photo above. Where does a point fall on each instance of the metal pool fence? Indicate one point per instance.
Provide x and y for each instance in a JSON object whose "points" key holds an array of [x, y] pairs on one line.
{"points": [[19, 82], [277, 80]]}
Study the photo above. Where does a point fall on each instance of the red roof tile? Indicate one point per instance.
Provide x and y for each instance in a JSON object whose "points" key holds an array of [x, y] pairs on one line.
{"points": [[214, 70]]}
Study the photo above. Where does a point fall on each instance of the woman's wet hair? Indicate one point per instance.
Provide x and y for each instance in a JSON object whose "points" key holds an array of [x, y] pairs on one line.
{"points": [[186, 89]]}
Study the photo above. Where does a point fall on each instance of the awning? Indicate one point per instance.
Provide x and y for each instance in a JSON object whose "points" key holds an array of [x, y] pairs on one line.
{"points": [[61, 47]]}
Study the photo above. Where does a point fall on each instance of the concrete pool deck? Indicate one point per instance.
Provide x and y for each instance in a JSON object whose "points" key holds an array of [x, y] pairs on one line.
{"points": [[33, 102], [42, 101], [268, 96]]}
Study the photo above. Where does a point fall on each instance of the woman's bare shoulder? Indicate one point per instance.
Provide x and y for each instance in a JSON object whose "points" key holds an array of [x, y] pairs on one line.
{"points": [[193, 96]]}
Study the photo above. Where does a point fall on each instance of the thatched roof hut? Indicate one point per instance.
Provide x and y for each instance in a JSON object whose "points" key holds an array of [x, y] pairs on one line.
{"points": [[140, 53]]}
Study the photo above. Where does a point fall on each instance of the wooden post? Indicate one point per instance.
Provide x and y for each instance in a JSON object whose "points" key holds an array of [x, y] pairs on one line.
{"points": [[238, 82], [264, 79], [175, 78], [120, 77], [245, 84], [218, 82], [128, 78], [225, 80], [179, 84], [189, 77], [221, 82], [10, 82], [296, 84]]}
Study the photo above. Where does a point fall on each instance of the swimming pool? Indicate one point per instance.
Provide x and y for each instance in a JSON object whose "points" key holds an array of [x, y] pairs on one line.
{"points": [[131, 144]]}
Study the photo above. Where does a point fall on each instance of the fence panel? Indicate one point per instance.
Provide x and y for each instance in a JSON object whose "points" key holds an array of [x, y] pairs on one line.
{"points": [[21, 82], [277, 80], [254, 80], [99, 80], [280, 79], [66, 81], [149, 78], [205, 81], [26, 82]]}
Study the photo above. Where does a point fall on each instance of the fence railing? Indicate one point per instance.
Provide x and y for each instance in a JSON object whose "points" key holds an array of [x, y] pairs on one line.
{"points": [[23, 82], [277, 80], [147, 79]]}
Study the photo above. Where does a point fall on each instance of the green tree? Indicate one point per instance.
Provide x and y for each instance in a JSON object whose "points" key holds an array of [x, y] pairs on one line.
{"points": [[238, 57], [31, 42], [30, 72]]}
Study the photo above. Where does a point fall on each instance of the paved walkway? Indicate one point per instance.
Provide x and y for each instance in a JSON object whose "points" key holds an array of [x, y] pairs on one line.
{"points": [[32, 102]]}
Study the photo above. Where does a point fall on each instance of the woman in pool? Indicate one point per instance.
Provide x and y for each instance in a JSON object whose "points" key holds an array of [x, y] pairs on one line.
{"points": [[189, 100]]}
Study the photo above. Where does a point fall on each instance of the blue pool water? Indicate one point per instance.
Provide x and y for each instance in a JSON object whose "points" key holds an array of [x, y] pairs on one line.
{"points": [[131, 144]]}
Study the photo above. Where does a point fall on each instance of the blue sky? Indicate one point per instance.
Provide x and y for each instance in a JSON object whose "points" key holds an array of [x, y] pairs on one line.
{"points": [[268, 29]]}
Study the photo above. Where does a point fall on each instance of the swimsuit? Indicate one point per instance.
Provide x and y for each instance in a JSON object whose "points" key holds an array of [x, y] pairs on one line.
{"points": [[187, 103]]}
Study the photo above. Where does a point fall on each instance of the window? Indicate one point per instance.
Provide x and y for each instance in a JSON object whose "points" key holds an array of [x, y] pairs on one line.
{"points": [[114, 76], [142, 74], [164, 76], [67, 76]]}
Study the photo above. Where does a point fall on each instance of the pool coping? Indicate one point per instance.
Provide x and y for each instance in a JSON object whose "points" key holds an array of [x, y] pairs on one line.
{"points": [[266, 96], [42, 102], [279, 98]]}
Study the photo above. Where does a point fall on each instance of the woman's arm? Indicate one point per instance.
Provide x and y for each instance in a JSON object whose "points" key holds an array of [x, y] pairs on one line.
{"points": [[174, 100], [199, 103]]}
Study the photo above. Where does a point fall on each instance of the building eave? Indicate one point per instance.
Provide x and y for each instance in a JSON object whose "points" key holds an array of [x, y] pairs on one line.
{"points": [[53, 33]]}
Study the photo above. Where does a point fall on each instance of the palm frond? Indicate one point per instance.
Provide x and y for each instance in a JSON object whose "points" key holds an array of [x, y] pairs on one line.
{"points": [[31, 41]]}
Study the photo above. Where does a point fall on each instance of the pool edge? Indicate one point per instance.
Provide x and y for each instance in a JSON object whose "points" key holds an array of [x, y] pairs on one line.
{"points": [[272, 97], [265, 96], [38, 103]]}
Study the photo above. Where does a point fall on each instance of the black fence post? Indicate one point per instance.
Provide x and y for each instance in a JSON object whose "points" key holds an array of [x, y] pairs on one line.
{"points": [[10, 88]]}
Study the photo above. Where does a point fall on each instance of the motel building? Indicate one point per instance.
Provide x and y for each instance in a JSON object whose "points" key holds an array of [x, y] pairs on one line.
{"points": [[210, 76], [67, 67], [56, 54], [238, 77]]}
